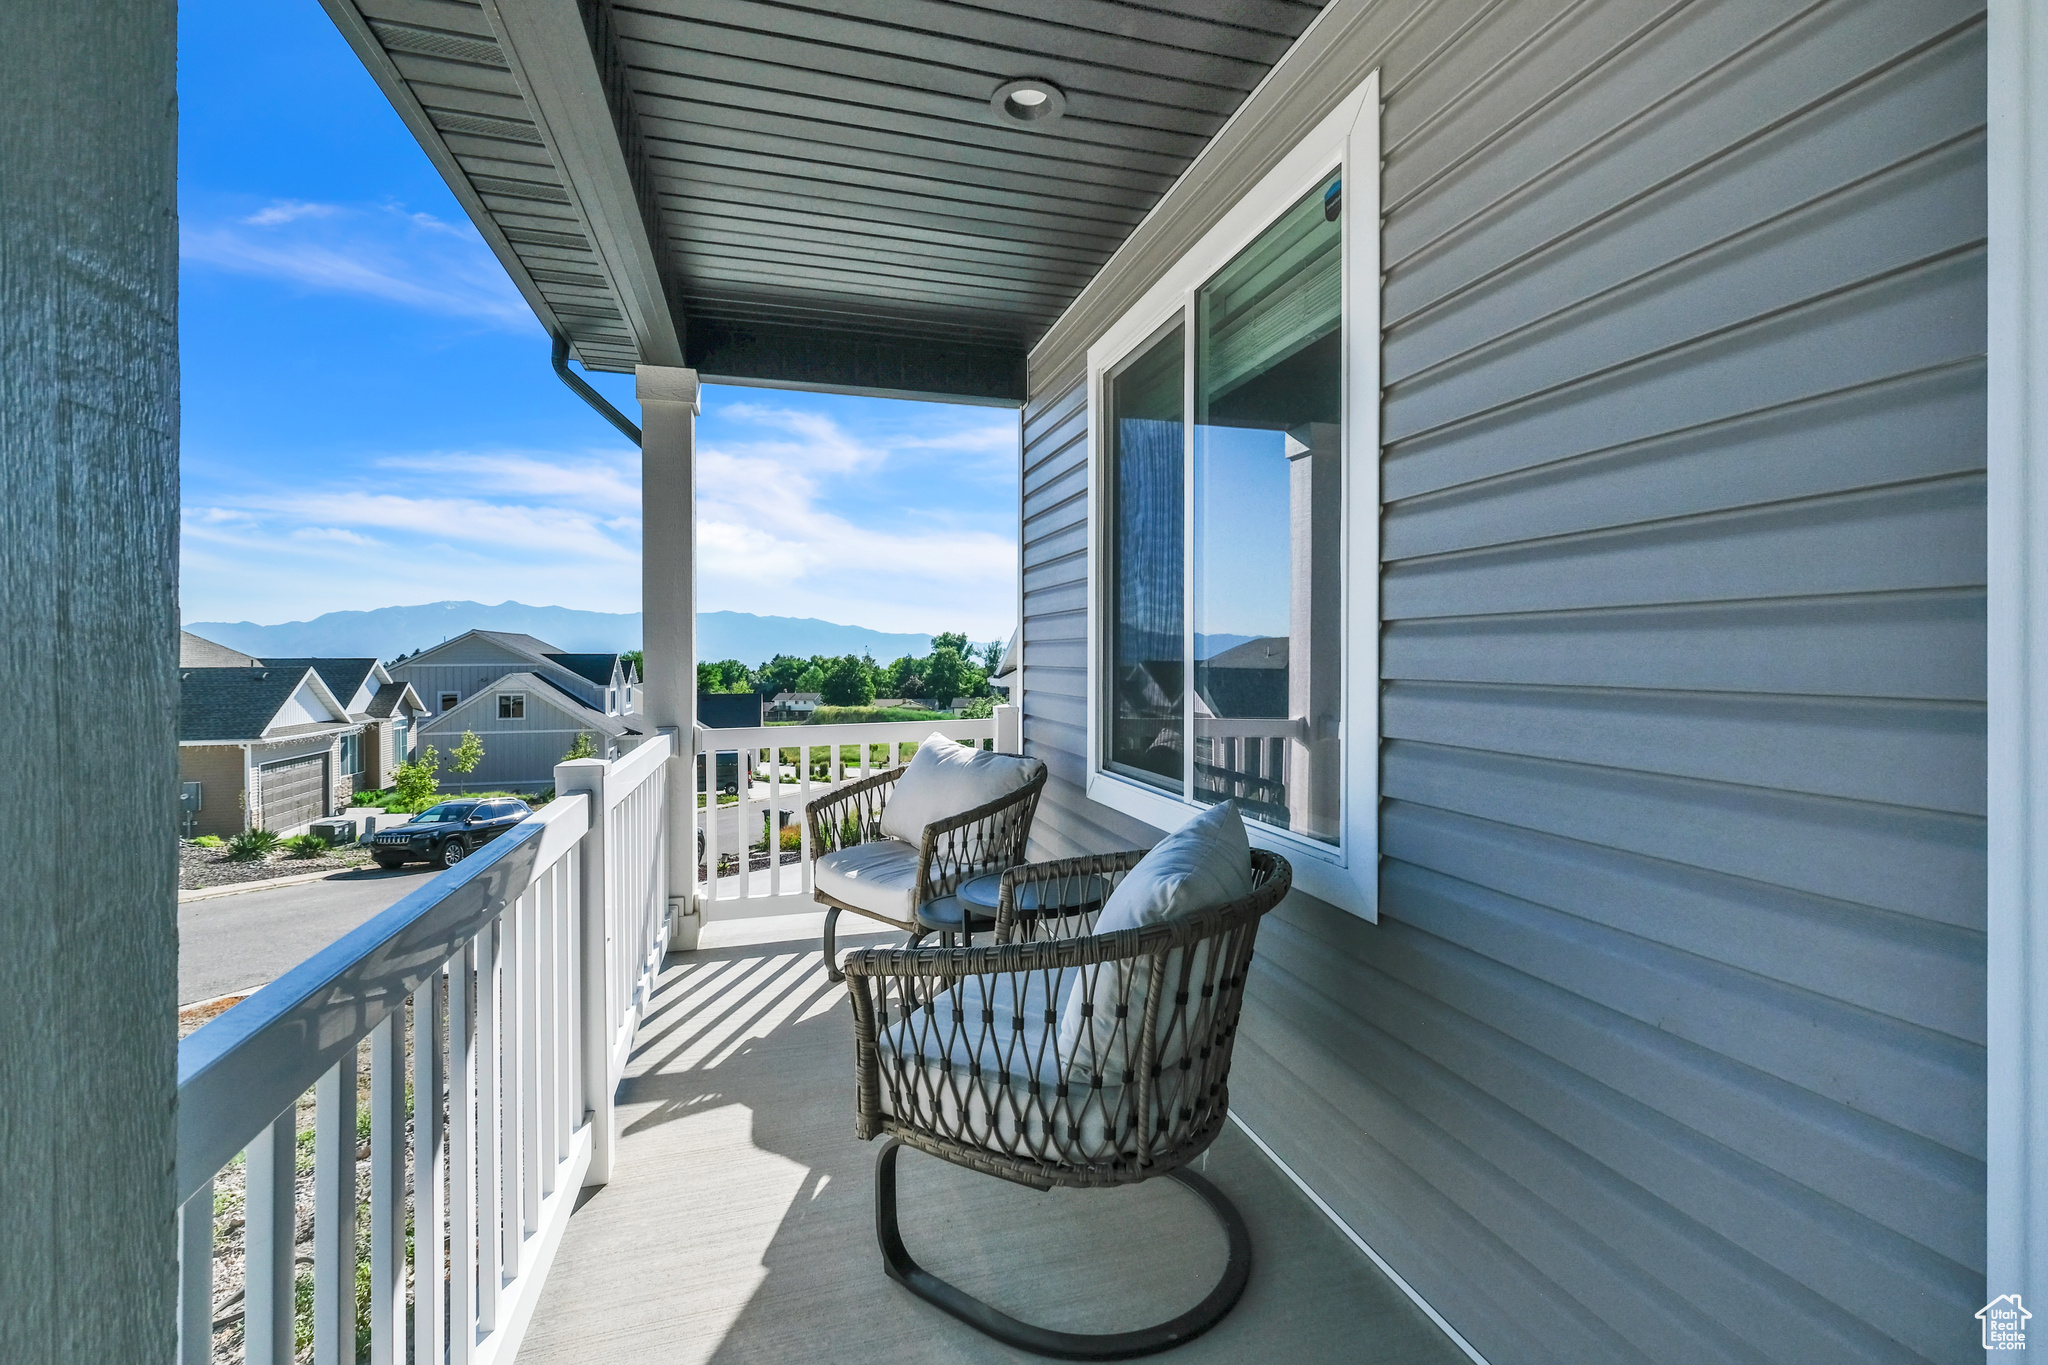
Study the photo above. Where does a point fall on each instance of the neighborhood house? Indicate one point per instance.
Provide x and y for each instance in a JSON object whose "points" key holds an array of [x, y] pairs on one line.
{"points": [[526, 700], [277, 744]]}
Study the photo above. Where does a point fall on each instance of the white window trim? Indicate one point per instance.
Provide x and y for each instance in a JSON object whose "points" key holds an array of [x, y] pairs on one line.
{"points": [[519, 697], [1348, 139]]}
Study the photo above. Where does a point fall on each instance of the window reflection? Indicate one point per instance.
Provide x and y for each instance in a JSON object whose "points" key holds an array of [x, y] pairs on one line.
{"points": [[1268, 470], [1146, 624]]}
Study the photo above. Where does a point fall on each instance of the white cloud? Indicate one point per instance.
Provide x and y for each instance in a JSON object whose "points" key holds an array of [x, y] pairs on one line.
{"points": [[411, 259], [290, 210], [800, 517]]}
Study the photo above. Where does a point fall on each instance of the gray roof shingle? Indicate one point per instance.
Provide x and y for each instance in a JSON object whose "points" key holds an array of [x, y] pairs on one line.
{"points": [[232, 705], [342, 676]]}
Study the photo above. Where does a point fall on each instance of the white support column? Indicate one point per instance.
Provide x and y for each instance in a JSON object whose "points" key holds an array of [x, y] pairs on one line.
{"points": [[668, 610], [2017, 401]]}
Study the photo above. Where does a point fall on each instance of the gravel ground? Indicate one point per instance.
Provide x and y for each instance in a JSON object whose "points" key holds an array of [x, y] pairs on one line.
{"points": [[203, 867]]}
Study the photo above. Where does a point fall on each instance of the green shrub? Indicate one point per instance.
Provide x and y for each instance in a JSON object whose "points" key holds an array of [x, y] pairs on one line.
{"points": [[251, 845], [208, 841], [378, 799], [306, 846]]}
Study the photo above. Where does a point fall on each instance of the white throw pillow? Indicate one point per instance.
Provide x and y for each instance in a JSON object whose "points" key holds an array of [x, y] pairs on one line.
{"points": [[947, 778], [1205, 863]]}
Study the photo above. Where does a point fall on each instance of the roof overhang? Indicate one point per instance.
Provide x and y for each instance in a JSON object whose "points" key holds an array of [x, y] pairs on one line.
{"points": [[814, 195]]}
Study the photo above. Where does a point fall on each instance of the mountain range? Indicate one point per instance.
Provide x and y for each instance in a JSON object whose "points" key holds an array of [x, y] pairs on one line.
{"points": [[387, 632]]}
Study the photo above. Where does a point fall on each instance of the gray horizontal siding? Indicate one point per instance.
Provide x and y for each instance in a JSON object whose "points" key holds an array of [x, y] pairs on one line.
{"points": [[1668, 1045]]}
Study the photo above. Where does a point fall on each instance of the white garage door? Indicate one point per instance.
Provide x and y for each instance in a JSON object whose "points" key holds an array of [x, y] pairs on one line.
{"points": [[294, 791]]}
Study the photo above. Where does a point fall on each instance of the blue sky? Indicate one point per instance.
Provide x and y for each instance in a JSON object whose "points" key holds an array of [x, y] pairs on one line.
{"points": [[369, 417]]}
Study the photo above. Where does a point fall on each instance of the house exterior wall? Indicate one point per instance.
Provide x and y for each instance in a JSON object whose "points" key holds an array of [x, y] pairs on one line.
{"points": [[88, 592], [219, 768], [518, 754], [1668, 1045]]}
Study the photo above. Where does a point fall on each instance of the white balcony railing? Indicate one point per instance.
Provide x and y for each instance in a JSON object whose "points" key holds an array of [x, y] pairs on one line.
{"points": [[508, 989], [778, 770]]}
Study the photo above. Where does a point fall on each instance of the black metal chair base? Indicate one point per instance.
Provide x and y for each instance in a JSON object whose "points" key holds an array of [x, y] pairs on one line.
{"points": [[832, 972], [1043, 1340]]}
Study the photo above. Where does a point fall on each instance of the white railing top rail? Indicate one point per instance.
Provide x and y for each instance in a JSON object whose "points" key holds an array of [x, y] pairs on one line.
{"points": [[243, 1069], [631, 768], [872, 731]]}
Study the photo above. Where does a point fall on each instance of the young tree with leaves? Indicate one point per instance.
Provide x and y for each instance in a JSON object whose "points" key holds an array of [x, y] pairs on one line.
{"points": [[415, 784], [467, 754], [584, 747]]}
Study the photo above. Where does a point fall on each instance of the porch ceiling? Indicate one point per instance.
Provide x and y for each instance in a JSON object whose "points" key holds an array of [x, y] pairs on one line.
{"points": [[814, 194]]}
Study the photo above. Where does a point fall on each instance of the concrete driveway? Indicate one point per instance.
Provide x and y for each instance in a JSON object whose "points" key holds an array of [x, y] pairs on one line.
{"points": [[231, 943]]}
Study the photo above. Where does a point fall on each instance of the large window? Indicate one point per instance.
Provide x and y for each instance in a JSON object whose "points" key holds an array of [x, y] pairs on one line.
{"points": [[1235, 549]]}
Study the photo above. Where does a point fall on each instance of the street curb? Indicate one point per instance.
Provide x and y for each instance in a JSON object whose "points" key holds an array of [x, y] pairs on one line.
{"points": [[207, 893]]}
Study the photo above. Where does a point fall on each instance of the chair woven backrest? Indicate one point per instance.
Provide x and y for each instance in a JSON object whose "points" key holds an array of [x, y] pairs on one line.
{"points": [[1059, 1056]]}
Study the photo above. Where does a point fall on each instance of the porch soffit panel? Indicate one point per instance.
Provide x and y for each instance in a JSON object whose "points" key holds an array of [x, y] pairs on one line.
{"points": [[812, 194]]}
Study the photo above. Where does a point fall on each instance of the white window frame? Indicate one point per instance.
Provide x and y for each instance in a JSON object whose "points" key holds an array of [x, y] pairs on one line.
{"points": [[519, 705], [449, 701], [1347, 141]]}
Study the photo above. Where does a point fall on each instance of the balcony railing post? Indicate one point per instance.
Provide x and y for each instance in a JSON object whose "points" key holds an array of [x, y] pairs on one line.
{"points": [[596, 999], [1009, 729]]}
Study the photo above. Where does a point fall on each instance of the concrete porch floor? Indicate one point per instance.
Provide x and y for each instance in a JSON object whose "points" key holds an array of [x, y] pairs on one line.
{"points": [[739, 1227]]}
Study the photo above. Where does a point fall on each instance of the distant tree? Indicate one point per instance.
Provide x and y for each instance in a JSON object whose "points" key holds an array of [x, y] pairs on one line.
{"points": [[992, 655], [467, 754], [812, 679], [635, 659], [584, 747], [727, 675], [782, 673], [955, 642], [849, 682], [945, 675]]}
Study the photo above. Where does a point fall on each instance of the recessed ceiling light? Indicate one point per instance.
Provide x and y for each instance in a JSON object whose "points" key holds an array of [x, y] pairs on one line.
{"points": [[1031, 100]]}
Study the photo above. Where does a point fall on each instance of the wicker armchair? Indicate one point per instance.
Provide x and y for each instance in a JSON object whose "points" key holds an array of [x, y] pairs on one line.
{"points": [[1060, 1057], [989, 838]]}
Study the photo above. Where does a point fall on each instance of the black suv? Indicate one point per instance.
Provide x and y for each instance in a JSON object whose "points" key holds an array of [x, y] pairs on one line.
{"points": [[446, 834]]}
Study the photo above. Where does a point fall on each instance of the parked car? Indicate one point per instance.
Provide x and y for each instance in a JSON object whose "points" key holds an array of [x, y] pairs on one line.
{"points": [[446, 834]]}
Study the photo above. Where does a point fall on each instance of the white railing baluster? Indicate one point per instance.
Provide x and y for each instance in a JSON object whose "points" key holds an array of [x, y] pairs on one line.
{"points": [[429, 1170], [490, 957], [803, 833], [772, 817], [533, 970], [746, 825], [269, 1249], [334, 1214], [387, 1191], [463, 1180], [511, 1098], [195, 1278]]}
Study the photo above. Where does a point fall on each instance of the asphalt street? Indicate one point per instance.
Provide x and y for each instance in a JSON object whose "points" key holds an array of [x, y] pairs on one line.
{"points": [[231, 943]]}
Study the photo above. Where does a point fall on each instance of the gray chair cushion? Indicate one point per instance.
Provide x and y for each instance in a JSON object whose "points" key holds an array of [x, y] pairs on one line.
{"points": [[878, 876]]}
